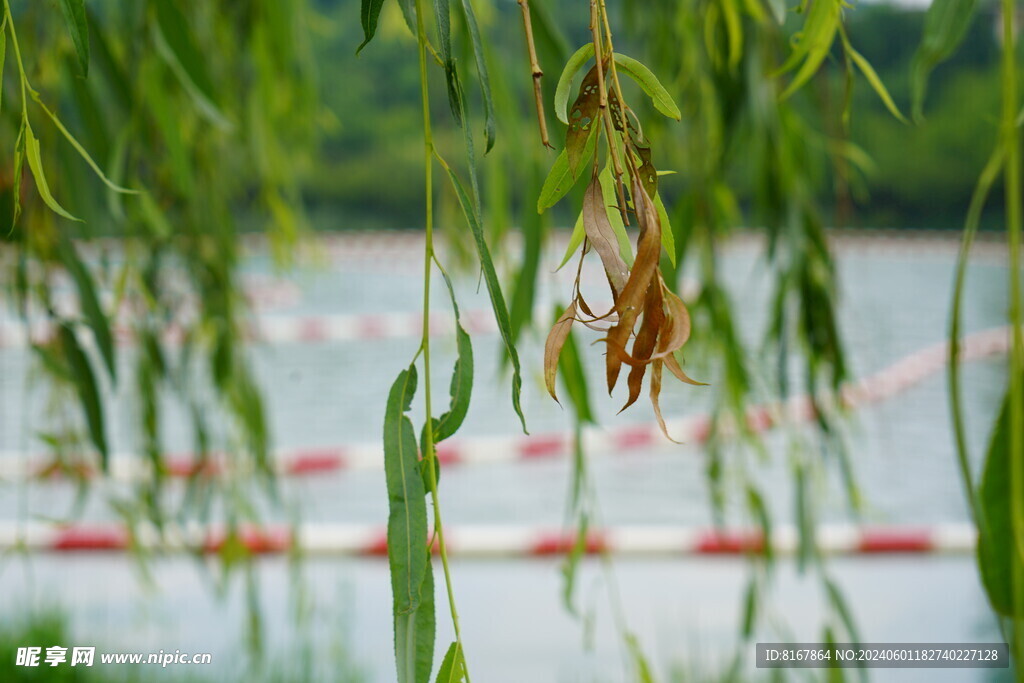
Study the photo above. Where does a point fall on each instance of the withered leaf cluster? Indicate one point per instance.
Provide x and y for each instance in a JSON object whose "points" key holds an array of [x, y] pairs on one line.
{"points": [[647, 322]]}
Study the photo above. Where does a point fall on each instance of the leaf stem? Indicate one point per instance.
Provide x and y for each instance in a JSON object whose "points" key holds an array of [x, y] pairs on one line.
{"points": [[1011, 142], [9, 20], [981, 192], [430, 455], [599, 56]]}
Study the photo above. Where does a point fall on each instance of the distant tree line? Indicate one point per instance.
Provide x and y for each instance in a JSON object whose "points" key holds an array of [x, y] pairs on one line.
{"points": [[916, 175]]}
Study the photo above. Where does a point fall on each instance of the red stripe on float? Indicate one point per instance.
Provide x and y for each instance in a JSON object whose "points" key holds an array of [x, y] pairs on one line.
{"points": [[702, 429], [562, 543], [378, 547], [187, 466], [730, 543], [89, 538], [634, 437], [542, 446], [895, 541], [313, 330], [759, 418], [448, 454], [256, 541], [371, 327], [310, 462]]}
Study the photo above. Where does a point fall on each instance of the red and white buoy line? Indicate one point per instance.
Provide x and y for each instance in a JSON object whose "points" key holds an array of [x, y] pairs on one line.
{"points": [[292, 329], [490, 541], [691, 429]]}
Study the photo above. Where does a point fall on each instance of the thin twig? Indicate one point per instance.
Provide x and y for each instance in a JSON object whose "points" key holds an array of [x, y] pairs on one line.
{"points": [[613, 150], [537, 72]]}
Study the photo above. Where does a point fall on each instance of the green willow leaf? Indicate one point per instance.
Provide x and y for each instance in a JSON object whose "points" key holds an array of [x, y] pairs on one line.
{"points": [[408, 8], [806, 547], [572, 67], [74, 15], [570, 366], [80, 149], [453, 667], [997, 549], [176, 45], [643, 667], [482, 73], [749, 609], [571, 564], [493, 290], [668, 238], [842, 608], [35, 163], [557, 184], [461, 387], [407, 508], [3, 52], [869, 73], [94, 315], [814, 43], [19, 166], [575, 240], [414, 636], [945, 26], [758, 509], [369, 14], [533, 228], [88, 394], [734, 31], [560, 179], [650, 84], [442, 15]]}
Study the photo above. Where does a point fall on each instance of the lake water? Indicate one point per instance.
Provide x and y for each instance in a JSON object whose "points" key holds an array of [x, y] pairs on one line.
{"points": [[685, 612]]}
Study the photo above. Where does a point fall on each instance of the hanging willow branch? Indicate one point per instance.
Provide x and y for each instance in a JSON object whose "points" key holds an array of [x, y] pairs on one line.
{"points": [[536, 72], [639, 293]]}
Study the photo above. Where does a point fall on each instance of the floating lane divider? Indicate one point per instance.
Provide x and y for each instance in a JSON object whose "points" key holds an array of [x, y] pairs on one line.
{"points": [[282, 330], [494, 541], [692, 430]]}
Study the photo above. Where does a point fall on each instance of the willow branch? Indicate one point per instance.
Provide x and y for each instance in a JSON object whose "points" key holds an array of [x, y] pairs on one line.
{"points": [[537, 72]]}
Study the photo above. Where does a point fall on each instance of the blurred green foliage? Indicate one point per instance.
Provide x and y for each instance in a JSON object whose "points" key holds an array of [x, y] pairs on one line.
{"points": [[921, 177], [923, 174]]}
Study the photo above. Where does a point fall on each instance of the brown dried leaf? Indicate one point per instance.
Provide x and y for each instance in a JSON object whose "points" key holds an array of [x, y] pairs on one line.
{"points": [[673, 331], [553, 346], [655, 396], [675, 328], [583, 119], [647, 172], [601, 234], [611, 317], [646, 340], [631, 299], [673, 366]]}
